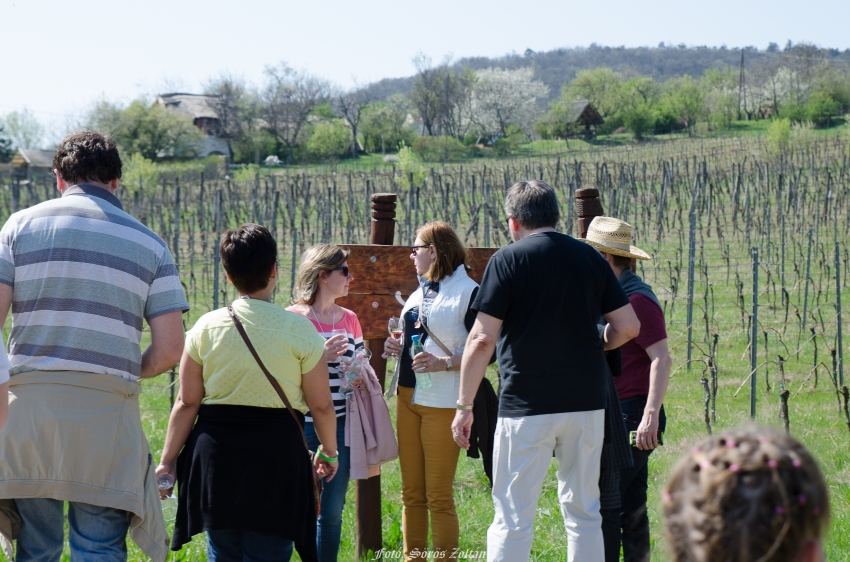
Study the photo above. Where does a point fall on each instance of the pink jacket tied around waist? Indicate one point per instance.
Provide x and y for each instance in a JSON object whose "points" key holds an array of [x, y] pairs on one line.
{"points": [[368, 428]]}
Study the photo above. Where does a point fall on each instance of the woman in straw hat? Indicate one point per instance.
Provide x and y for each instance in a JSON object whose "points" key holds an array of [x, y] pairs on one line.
{"points": [[641, 387]]}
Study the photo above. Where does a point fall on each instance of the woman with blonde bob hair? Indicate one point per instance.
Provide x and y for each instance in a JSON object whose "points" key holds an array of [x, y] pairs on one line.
{"points": [[322, 277], [427, 451]]}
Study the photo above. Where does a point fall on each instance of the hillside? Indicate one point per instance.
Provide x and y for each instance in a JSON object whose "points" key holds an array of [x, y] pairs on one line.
{"points": [[557, 67]]}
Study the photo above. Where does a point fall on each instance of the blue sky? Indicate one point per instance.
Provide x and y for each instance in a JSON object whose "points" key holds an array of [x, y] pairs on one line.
{"points": [[60, 56]]}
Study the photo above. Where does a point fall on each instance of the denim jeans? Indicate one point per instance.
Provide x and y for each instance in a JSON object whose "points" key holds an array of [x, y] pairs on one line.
{"points": [[247, 546], [329, 525], [97, 534], [631, 523]]}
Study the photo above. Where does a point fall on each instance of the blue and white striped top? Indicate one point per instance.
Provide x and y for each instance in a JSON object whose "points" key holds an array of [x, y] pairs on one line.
{"points": [[85, 274]]}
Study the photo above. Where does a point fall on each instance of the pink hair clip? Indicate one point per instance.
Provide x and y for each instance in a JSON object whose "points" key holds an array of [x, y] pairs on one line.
{"points": [[667, 496], [772, 463], [704, 464], [731, 444], [734, 468], [797, 463]]}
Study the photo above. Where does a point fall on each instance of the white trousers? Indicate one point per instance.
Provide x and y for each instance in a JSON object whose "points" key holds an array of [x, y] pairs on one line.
{"points": [[522, 454]]}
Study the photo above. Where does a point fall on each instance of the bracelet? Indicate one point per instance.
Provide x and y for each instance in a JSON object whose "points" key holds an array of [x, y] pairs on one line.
{"points": [[324, 457]]}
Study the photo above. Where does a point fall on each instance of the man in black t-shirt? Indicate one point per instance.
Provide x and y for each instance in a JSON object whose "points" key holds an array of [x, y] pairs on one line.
{"points": [[538, 305]]}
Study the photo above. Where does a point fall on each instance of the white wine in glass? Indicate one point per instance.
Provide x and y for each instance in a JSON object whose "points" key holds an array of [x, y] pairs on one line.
{"points": [[341, 332]]}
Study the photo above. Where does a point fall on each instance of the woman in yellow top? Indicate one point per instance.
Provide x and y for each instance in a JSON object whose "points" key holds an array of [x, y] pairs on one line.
{"points": [[244, 475]]}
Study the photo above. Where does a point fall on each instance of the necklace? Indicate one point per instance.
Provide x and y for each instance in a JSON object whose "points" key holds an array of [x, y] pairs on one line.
{"points": [[333, 324]]}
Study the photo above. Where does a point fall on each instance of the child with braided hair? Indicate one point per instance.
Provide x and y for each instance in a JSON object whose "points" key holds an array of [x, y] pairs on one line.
{"points": [[748, 495]]}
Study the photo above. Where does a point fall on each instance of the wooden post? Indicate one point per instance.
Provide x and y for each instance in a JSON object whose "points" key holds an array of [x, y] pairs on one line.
{"points": [[171, 374], [588, 206], [368, 492]]}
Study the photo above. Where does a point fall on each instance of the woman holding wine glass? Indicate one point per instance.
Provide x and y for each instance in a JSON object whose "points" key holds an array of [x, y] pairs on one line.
{"points": [[323, 277], [438, 314]]}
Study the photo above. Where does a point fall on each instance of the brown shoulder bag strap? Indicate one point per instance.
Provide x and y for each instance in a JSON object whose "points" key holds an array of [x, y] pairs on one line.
{"points": [[241, 329], [437, 341]]}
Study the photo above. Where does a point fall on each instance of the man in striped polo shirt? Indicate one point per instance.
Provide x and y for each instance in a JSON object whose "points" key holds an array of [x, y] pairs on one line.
{"points": [[81, 276]]}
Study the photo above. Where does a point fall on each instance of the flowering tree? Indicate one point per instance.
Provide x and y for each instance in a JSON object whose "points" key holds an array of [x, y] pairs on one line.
{"points": [[501, 98]]}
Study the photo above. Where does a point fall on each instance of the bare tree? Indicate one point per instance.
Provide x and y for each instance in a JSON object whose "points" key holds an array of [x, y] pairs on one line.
{"points": [[351, 105], [425, 95], [457, 102], [234, 105], [287, 100], [442, 95]]}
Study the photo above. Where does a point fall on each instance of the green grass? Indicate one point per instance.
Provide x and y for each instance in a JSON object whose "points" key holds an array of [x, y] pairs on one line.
{"points": [[815, 420], [814, 415], [571, 148]]}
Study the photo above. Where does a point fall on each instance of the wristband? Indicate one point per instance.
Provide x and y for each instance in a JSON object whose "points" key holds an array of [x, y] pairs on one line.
{"points": [[324, 457], [464, 406]]}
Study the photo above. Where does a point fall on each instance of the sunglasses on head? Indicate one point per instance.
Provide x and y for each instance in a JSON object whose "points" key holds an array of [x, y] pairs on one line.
{"points": [[343, 268]]}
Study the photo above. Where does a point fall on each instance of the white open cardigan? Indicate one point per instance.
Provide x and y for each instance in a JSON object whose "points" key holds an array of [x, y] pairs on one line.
{"points": [[446, 321]]}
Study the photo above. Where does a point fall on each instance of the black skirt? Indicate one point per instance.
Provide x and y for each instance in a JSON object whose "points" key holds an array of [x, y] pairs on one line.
{"points": [[245, 468]]}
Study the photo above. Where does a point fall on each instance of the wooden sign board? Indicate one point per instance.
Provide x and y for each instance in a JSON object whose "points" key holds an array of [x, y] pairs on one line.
{"points": [[379, 272]]}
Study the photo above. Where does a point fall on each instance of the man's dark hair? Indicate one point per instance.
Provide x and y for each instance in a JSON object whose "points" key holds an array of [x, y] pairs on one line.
{"points": [[533, 204], [247, 255], [622, 262], [87, 155]]}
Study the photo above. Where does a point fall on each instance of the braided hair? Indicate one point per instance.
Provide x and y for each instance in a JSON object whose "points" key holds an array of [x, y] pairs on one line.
{"points": [[748, 495]]}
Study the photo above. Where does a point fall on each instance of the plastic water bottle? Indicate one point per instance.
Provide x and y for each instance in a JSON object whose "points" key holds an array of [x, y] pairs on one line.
{"points": [[423, 380], [352, 367]]}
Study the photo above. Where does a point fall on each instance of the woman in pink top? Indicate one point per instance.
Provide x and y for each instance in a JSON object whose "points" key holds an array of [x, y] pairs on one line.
{"points": [[323, 277]]}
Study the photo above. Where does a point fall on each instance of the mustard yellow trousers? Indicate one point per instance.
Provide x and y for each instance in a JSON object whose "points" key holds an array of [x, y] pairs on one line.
{"points": [[428, 458]]}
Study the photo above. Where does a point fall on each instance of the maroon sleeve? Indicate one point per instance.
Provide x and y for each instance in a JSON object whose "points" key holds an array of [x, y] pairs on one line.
{"points": [[651, 318]]}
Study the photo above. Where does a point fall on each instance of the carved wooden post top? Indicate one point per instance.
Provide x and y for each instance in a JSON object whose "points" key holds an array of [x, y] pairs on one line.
{"points": [[383, 218], [588, 206], [383, 205]]}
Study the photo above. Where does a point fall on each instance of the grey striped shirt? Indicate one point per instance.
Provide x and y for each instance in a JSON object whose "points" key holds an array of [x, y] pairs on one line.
{"points": [[85, 274]]}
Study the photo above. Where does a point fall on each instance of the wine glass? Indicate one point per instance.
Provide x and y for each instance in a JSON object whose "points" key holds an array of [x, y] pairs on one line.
{"points": [[396, 328], [343, 333]]}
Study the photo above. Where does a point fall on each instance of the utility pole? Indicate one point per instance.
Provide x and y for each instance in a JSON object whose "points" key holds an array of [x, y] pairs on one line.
{"points": [[741, 85]]}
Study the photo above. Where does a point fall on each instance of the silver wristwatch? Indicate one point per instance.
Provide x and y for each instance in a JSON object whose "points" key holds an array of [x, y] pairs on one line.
{"points": [[448, 363]]}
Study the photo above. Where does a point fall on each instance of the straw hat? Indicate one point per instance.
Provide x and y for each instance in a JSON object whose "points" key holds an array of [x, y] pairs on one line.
{"points": [[613, 236]]}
